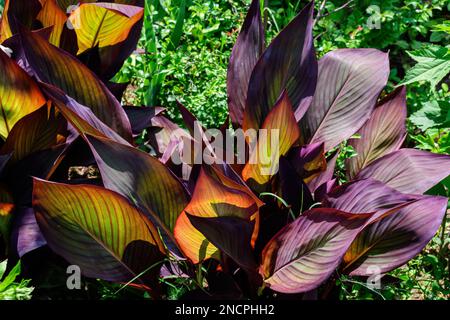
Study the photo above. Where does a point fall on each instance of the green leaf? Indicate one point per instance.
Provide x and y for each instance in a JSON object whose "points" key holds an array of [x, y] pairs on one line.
{"points": [[11, 277], [433, 64], [433, 114]]}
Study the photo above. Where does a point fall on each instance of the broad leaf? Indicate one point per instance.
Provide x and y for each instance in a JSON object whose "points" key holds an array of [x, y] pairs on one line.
{"points": [[26, 234], [395, 238], [246, 52], [96, 229], [19, 94], [17, 12], [350, 81], [408, 170], [52, 15], [34, 132], [365, 196], [280, 134], [382, 134], [433, 64], [307, 251], [80, 117], [211, 198], [140, 177], [103, 24], [289, 63], [229, 234], [54, 66]]}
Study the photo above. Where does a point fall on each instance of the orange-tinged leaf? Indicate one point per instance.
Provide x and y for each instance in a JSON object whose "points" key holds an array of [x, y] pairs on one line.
{"points": [[19, 94], [96, 229], [51, 15], [282, 133], [210, 199], [103, 25], [34, 132]]}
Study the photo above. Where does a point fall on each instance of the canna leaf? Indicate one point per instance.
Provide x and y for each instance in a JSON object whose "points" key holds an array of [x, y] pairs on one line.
{"points": [[35, 132], [19, 94], [349, 83], [246, 52], [282, 133], [141, 117], [95, 229], [26, 234], [230, 235], [103, 24], [382, 134], [366, 196], [17, 12], [307, 251], [396, 237], [289, 63], [408, 170], [211, 199], [54, 66], [140, 177], [52, 15], [80, 117]]}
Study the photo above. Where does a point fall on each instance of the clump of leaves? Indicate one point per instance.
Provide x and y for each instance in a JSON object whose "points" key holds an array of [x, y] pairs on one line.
{"points": [[10, 289], [146, 217]]}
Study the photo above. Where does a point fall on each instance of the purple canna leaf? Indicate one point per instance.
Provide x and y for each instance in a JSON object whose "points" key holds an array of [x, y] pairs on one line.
{"points": [[246, 52], [365, 196], [396, 237], [141, 117], [293, 189], [382, 134], [289, 63], [350, 81], [325, 176], [26, 234], [408, 170], [79, 116], [306, 252]]}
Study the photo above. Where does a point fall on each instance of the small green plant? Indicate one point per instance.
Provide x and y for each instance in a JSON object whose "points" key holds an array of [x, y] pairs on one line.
{"points": [[10, 288]]}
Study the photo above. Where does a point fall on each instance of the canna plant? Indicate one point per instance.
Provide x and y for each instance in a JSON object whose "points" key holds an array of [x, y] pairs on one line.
{"points": [[143, 218]]}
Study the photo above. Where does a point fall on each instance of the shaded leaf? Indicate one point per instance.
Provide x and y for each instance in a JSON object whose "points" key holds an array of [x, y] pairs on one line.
{"points": [[230, 235], [211, 198], [140, 177]]}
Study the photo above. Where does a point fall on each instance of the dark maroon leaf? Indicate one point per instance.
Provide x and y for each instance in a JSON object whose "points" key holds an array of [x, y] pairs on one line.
{"points": [[289, 63], [141, 117], [246, 52], [26, 234], [230, 235]]}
